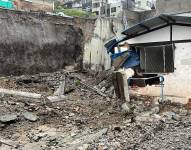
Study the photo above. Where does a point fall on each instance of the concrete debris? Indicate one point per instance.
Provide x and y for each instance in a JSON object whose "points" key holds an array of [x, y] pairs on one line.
{"points": [[61, 89], [20, 93], [83, 147], [94, 89], [8, 118], [125, 108], [30, 116], [6, 144], [35, 146], [87, 117], [57, 98], [86, 139]]}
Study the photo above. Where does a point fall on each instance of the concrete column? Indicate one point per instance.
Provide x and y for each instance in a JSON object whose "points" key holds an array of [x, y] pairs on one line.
{"points": [[121, 87]]}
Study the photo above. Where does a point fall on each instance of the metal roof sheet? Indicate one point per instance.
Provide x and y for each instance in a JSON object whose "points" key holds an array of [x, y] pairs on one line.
{"points": [[156, 23]]}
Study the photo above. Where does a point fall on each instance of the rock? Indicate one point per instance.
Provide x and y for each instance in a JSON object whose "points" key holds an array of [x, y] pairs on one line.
{"points": [[127, 121], [30, 116], [141, 118], [168, 115], [83, 147], [155, 110], [125, 108], [183, 112], [103, 89], [117, 128], [102, 146], [71, 114], [157, 117], [176, 117], [35, 146], [8, 118], [89, 138]]}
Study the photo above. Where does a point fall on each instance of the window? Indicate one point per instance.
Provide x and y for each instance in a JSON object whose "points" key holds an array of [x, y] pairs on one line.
{"points": [[157, 59], [96, 5], [113, 9], [96, 12]]}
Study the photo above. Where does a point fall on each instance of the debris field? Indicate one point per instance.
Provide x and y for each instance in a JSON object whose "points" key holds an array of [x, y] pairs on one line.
{"points": [[85, 116]]}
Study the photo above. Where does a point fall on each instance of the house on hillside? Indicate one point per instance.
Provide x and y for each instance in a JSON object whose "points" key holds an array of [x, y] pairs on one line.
{"points": [[87, 5], [6, 4], [73, 3], [34, 5], [115, 7], [159, 46]]}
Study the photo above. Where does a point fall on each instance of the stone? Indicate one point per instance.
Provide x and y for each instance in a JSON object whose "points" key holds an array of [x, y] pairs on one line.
{"points": [[176, 117], [30, 116], [71, 114], [183, 112], [35, 146], [127, 121], [83, 147], [125, 108], [157, 117], [102, 146], [141, 119], [168, 115], [155, 110], [8, 118]]}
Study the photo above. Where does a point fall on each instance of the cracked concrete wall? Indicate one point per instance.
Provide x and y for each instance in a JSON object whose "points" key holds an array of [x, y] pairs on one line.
{"points": [[95, 54], [35, 42]]}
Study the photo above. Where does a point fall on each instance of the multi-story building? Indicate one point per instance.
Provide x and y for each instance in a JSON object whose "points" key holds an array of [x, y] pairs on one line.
{"points": [[87, 5], [114, 7], [143, 5], [73, 3], [98, 6]]}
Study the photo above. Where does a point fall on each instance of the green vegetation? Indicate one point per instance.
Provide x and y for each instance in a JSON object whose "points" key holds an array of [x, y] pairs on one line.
{"points": [[72, 12]]}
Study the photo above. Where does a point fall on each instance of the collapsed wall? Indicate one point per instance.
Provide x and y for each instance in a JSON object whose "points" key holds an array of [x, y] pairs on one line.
{"points": [[35, 42]]}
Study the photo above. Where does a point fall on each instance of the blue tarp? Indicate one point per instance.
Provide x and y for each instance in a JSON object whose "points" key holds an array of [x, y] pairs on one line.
{"points": [[132, 59]]}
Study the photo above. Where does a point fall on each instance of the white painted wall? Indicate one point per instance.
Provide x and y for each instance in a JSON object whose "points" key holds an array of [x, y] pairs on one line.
{"points": [[156, 36], [179, 33]]}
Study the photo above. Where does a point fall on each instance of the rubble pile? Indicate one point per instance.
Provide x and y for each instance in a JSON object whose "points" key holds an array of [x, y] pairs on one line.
{"points": [[88, 118]]}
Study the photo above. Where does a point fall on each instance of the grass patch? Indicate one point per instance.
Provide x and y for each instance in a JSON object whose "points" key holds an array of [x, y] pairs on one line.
{"points": [[74, 12]]}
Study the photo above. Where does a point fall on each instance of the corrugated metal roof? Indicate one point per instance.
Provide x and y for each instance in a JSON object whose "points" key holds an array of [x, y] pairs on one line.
{"points": [[157, 23]]}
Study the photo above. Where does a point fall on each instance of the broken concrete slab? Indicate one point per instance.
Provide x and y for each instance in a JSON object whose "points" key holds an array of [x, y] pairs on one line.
{"points": [[7, 144], [61, 88], [30, 116], [20, 93], [35, 146], [57, 98], [8, 118], [85, 140]]}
